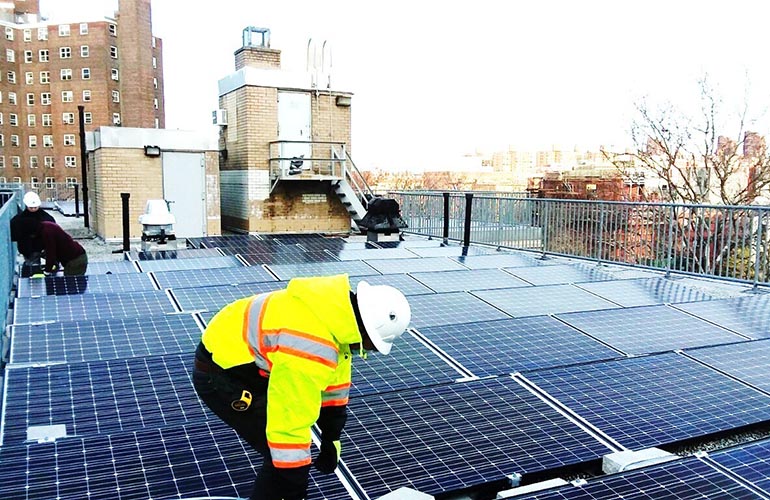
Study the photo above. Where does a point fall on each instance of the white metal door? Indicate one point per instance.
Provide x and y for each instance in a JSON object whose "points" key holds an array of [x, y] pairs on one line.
{"points": [[184, 187], [294, 125]]}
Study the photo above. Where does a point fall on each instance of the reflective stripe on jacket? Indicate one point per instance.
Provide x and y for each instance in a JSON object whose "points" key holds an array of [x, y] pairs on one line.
{"points": [[300, 336]]}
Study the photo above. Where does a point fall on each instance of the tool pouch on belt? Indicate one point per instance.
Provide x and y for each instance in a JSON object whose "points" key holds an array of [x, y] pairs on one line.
{"points": [[240, 387]]}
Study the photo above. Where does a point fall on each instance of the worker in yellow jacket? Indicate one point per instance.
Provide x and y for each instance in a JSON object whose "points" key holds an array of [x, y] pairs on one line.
{"points": [[274, 364]]}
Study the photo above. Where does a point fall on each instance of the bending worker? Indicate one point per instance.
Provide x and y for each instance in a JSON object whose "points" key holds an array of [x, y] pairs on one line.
{"points": [[272, 365], [29, 246]]}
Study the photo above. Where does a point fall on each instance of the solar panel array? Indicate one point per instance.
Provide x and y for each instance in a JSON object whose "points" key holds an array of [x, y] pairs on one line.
{"points": [[98, 401]]}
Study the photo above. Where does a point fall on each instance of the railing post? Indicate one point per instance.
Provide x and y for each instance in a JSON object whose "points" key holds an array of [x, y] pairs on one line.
{"points": [[468, 207], [77, 201], [446, 217], [124, 198], [670, 244], [601, 233], [543, 228], [757, 251], [84, 164]]}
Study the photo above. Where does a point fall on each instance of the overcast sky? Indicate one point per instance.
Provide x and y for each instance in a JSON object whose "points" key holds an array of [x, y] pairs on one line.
{"points": [[439, 78]]}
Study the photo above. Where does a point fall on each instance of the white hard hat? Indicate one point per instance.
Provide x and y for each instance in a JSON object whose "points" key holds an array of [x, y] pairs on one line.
{"points": [[385, 313], [31, 200]]}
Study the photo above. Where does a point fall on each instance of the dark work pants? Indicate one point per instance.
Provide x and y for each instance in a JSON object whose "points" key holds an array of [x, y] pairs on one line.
{"points": [[218, 388]]}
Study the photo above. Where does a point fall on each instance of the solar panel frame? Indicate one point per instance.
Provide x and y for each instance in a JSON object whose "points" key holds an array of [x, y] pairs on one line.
{"points": [[287, 258], [748, 315], [750, 462], [645, 292], [75, 285], [375, 253], [286, 272], [214, 298], [213, 277], [111, 267], [403, 266], [543, 299], [472, 279], [189, 264], [450, 308], [182, 253], [746, 361], [403, 282], [560, 274]]}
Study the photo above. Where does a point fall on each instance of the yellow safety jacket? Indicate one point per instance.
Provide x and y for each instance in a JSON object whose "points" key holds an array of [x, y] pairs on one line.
{"points": [[300, 337]]}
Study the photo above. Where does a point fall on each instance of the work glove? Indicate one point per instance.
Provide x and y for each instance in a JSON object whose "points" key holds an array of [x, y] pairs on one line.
{"points": [[329, 456]]}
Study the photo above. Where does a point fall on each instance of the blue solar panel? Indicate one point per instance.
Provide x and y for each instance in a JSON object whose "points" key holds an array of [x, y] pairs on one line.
{"points": [[405, 283], [376, 253], [500, 260], [282, 258], [453, 251], [211, 277], [746, 361], [560, 274], [112, 267], [444, 438], [541, 300], [478, 279], [409, 365], [400, 266], [645, 292], [214, 298], [654, 400], [75, 285], [511, 345], [410, 244], [193, 461], [749, 315], [90, 306], [631, 331], [71, 342], [189, 264], [352, 268], [450, 308], [221, 241], [689, 479], [183, 253], [101, 397], [751, 462]]}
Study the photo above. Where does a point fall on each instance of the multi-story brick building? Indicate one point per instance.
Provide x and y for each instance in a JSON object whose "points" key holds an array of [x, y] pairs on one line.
{"points": [[112, 66]]}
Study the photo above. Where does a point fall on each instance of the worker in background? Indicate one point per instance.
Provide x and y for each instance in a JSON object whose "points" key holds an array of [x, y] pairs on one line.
{"points": [[61, 250], [272, 365], [30, 248]]}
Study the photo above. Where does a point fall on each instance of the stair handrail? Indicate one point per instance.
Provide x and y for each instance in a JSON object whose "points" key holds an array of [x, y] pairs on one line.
{"points": [[364, 192]]}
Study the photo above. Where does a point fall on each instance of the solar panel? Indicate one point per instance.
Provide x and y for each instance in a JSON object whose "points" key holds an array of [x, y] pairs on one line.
{"points": [[75, 285], [375, 253], [405, 283], [189, 264], [211, 277], [220, 241], [111, 267], [560, 274], [400, 266], [440, 439], [102, 397], [750, 462], [287, 258], [450, 308], [352, 268], [453, 251], [90, 306], [409, 365], [410, 244], [499, 260], [632, 331], [76, 341], [654, 400], [746, 361], [261, 247], [511, 345], [214, 298], [541, 300], [193, 461], [688, 479], [749, 315], [182, 253], [478, 279], [645, 292]]}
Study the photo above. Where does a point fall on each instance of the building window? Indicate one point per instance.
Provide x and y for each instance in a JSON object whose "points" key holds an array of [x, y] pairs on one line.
{"points": [[68, 118], [33, 163], [30, 99], [42, 33], [45, 120], [11, 77], [154, 44], [112, 29], [157, 123], [15, 162], [45, 98], [45, 77], [155, 103], [66, 74], [2, 164], [66, 96], [42, 55], [27, 35], [86, 73], [65, 52], [71, 181], [64, 30], [31, 121], [8, 33], [84, 51], [14, 140], [115, 96], [113, 52], [86, 96], [115, 74], [88, 118], [70, 161], [29, 78], [13, 119], [2, 140], [154, 63], [10, 55], [28, 56], [155, 83], [116, 118], [32, 141], [34, 182], [47, 141], [49, 182], [83, 28], [12, 98], [1, 118], [48, 161], [69, 139]]}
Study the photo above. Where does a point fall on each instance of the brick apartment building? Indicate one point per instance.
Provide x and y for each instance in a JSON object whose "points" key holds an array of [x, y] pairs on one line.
{"points": [[112, 67]]}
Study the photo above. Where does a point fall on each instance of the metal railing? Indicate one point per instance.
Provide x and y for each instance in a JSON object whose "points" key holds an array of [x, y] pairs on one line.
{"points": [[299, 160], [731, 242], [49, 192], [10, 198]]}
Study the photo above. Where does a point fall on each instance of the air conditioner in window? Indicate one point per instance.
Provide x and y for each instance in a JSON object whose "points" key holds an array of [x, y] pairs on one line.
{"points": [[219, 117]]}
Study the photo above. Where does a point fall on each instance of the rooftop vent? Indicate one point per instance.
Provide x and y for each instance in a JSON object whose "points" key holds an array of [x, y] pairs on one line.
{"points": [[256, 37]]}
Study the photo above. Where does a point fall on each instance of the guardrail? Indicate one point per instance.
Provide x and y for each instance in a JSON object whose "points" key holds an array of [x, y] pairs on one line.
{"points": [[11, 202], [731, 242]]}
